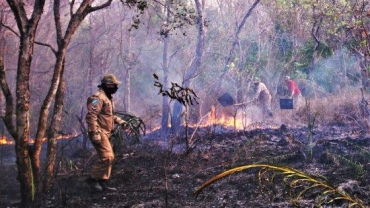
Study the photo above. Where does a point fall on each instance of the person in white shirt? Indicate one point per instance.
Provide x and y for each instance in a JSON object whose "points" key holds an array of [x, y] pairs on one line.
{"points": [[262, 97]]}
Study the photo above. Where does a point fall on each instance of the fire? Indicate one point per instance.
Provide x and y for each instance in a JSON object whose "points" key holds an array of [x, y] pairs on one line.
{"points": [[225, 120], [67, 136], [32, 141], [4, 141], [220, 118]]}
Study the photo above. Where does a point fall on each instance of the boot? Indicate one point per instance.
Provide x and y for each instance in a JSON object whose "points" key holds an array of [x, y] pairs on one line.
{"points": [[103, 184], [94, 184]]}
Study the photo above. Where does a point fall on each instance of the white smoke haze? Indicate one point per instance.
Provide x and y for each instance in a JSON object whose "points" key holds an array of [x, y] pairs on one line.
{"points": [[105, 44], [337, 73]]}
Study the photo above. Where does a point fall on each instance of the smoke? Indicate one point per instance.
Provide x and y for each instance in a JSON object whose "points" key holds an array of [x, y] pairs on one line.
{"points": [[335, 74], [253, 114]]}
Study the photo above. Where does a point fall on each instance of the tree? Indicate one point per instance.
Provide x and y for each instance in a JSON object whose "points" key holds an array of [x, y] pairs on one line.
{"points": [[165, 36], [195, 62], [19, 129], [28, 156], [175, 15], [232, 52]]}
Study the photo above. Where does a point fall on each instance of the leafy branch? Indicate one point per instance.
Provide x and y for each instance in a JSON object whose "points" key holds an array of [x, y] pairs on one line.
{"points": [[183, 95], [130, 133]]}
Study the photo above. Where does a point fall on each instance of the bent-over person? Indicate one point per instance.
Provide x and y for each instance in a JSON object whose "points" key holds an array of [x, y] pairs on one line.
{"points": [[263, 97]]}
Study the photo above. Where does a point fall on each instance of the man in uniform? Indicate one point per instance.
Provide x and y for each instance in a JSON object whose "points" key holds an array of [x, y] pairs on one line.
{"points": [[100, 121], [262, 96]]}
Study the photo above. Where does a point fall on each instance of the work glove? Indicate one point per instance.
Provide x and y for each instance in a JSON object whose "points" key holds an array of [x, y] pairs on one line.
{"points": [[123, 123], [96, 138]]}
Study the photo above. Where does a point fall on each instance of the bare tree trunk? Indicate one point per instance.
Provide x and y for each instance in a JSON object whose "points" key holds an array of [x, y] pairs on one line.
{"points": [[2, 67], [314, 33], [127, 91], [127, 62], [27, 29], [91, 55], [55, 129], [28, 159], [63, 42], [1, 101], [165, 100], [194, 66], [43, 120], [22, 120]]}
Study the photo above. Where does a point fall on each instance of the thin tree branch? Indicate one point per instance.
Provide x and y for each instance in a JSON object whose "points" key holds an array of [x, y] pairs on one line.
{"points": [[102, 6], [9, 28], [47, 45]]}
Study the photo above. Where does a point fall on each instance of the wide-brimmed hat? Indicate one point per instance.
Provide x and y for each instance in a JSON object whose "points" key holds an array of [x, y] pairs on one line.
{"points": [[110, 79]]}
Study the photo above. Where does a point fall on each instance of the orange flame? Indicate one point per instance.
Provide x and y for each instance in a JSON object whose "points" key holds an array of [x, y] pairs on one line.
{"points": [[223, 119], [4, 141], [32, 140]]}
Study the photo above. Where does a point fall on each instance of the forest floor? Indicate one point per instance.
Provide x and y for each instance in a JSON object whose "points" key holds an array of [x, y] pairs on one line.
{"points": [[155, 174]]}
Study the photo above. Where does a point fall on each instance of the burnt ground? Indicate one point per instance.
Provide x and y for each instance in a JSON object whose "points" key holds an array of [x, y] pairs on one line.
{"points": [[154, 174]]}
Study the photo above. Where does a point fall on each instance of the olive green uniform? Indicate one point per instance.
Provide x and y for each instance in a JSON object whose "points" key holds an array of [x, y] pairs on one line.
{"points": [[100, 120]]}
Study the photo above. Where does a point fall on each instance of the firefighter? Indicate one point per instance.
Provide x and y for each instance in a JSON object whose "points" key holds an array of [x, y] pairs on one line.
{"points": [[100, 121], [262, 96]]}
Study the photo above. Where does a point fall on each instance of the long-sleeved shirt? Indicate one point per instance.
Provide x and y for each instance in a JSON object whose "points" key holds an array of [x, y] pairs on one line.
{"points": [[260, 91], [100, 117]]}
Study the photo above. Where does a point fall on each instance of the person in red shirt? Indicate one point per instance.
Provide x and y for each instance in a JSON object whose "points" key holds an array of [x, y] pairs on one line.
{"points": [[295, 92], [293, 87]]}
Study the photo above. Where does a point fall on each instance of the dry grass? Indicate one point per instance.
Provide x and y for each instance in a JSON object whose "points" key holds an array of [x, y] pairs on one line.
{"points": [[334, 110], [331, 110]]}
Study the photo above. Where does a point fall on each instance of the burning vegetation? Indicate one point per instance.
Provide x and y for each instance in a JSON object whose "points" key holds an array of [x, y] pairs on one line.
{"points": [[3, 141]]}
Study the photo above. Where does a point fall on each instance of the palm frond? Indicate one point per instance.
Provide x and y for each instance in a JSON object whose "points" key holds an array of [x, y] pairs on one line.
{"points": [[293, 178]]}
